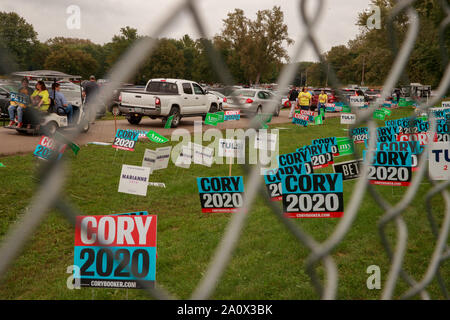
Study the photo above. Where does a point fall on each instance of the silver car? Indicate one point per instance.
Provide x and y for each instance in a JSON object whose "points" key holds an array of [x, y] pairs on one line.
{"points": [[252, 101]]}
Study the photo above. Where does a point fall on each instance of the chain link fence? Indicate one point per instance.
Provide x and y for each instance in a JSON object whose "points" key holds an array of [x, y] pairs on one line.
{"points": [[53, 174]]}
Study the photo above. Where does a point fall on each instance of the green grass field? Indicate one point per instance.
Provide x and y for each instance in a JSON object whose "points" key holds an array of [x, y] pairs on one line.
{"points": [[268, 262]]}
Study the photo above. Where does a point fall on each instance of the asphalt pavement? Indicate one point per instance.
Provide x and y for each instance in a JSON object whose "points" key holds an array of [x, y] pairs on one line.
{"points": [[12, 142]]}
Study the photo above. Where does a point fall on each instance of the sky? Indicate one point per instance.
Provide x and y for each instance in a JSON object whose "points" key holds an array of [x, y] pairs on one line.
{"points": [[100, 20]]}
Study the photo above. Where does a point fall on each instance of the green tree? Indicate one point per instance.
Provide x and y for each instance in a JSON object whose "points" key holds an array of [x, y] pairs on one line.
{"points": [[18, 38], [72, 61], [256, 46]]}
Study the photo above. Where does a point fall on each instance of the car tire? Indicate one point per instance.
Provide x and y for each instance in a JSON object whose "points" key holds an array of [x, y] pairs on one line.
{"points": [[134, 120], [175, 112], [50, 128], [277, 111]]}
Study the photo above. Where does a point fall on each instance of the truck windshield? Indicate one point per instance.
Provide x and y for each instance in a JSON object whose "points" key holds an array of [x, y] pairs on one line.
{"points": [[162, 87]]}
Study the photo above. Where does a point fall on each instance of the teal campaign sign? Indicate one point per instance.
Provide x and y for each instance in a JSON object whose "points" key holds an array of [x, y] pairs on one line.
{"points": [[313, 195], [221, 194], [390, 168]]}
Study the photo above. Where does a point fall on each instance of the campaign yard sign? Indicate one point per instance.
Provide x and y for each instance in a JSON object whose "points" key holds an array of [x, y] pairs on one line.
{"points": [[19, 98], [309, 114], [149, 159], [231, 115], [272, 178], [125, 139], [298, 162], [321, 155], [313, 196], [390, 168], [115, 251], [266, 141], [212, 119], [445, 104], [330, 107], [348, 118], [162, 158], [412, 147], [231, 148], [439, 161], [359, 135], [201, 155], [345, 146], [47, 147], [423, 138], [156, 137], [357, 101], [220, 194], [300, 120], [134, 180], [332, 141], [184, 159], [350, 170]]}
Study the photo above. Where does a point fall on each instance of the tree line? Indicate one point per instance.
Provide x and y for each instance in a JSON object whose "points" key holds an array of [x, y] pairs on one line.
{"points": [[368, 58], [253, 50]]}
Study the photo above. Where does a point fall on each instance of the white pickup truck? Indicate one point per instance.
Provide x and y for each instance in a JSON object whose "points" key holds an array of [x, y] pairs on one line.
{"points": [[163, 98]]}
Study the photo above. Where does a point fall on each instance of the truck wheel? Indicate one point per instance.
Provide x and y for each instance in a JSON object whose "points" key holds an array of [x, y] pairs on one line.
{"points": [[213, 109], [135, 120], [175, 112], [277, 111]]}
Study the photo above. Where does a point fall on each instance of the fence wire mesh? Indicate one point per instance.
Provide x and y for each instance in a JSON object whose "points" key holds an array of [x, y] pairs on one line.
{"points": [[52, 175]]}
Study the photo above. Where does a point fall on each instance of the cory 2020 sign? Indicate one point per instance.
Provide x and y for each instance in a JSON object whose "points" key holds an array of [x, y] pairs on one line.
{"points": [[220, 194], [115, 251], [313, 196]]}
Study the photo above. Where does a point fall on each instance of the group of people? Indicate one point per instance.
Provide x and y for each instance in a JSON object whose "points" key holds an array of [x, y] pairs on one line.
{"points": [[36, 102], [304, 99]]}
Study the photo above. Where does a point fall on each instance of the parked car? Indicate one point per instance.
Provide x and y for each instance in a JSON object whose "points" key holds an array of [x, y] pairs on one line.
{"points": [[351, 92], [5, 89], [113, 103], [163, 98], [221, 98], [252, 101], [373, 94]]}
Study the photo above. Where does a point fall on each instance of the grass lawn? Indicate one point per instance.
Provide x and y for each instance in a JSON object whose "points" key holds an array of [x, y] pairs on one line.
{"points": [[268, 262]]}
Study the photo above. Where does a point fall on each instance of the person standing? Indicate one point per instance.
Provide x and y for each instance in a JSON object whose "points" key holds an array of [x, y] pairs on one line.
{"points": [[293, 95], [305, 100], [323, 99], [61, 102], [25, 91], [90, 90]]}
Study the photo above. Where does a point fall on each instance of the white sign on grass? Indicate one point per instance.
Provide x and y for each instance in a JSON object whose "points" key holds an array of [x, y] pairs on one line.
{"points": [[149, 159], [184, 160], [231, 148], [202, 155], [348, 118], [445, 104], [266, 141], [357, 101], [162, 158], [439, 161], [134, 180]]}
